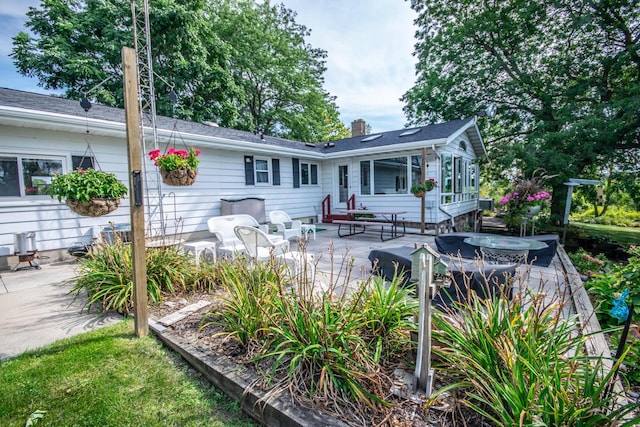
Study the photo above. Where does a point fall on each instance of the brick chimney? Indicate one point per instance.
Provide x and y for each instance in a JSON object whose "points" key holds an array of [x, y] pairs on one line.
{"points": [[358, 127]]}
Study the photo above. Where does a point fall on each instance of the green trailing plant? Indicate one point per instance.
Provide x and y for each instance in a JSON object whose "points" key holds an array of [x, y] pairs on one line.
{"points": [[107, 276], [82, 185], [520, 363]]}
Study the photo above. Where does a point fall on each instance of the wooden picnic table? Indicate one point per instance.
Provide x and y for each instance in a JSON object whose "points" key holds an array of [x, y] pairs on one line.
{"points": [[380, 218]]}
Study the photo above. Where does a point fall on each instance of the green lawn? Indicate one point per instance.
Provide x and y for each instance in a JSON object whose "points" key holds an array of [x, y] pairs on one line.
{"points": [[108, 377], [622, 235]]}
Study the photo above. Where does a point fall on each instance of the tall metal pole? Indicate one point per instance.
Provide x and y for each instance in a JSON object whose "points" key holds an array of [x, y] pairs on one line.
{"points": [[147, 103], [139, 263]]}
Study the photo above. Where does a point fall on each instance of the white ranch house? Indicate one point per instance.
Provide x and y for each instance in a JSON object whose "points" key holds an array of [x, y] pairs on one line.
{"points": [[41, 135]]}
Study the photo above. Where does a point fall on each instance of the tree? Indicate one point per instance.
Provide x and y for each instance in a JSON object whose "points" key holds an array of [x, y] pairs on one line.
{"points": [[280, 74], [564, 74], [77, 44], [209, 62]]}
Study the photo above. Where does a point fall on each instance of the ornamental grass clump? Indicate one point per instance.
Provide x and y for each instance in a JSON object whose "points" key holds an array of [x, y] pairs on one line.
{"points": [[520, 363], [107, 276], [327, 348]]}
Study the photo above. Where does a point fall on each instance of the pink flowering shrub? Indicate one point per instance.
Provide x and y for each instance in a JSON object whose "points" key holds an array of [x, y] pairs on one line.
{"points": [[176, 159], [516, 200]]}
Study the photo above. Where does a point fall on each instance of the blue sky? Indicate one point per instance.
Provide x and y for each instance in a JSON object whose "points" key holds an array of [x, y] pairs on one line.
{"points": [[369, 45]]}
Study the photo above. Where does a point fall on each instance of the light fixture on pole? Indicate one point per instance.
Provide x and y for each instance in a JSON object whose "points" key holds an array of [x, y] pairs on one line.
{"points": [[490, 111]]}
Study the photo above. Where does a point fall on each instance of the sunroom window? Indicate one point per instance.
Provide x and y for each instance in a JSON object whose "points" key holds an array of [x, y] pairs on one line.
{"points": [[390, 175]]}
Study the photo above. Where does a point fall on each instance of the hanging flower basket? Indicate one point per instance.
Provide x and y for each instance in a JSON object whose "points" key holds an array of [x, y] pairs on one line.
{"points": [[420, 188], [177, 167], [94, 207], [179, 177], [88, 192]]}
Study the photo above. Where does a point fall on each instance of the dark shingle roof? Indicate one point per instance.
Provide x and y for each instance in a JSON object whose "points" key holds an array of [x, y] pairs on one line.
{"points": [[423, 133], [54, 104], [70, 107]]}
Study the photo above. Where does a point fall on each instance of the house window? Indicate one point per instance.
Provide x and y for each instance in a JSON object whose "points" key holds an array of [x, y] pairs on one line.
{"points": [[365, 177], [416, 169], [458, 173], [262, 171], [390, 175], [22, 176], [447, 178], [308, 174], [459, 178], [472, 181]]}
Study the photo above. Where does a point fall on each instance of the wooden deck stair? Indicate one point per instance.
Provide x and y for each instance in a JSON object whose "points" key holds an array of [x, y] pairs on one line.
{"points": [[328, 217]]}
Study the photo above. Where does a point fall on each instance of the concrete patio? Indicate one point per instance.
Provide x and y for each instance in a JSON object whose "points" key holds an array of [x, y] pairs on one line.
{"points": [[36, 308]]}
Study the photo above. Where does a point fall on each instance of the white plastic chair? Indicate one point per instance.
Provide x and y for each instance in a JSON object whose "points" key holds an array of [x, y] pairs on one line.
{"points": [[285, 226], [228, 243], [260, 248]]}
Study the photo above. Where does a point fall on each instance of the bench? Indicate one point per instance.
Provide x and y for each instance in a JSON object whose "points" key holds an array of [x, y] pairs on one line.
{"points": [[354, 225]]}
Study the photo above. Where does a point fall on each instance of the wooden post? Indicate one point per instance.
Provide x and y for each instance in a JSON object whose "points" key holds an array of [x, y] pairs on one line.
{"points": [[423, 176], [423, 376], [134, 151]]}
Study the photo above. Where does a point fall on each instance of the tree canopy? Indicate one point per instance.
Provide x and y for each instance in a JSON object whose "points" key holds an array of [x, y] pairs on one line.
{"points": [[238, 63], [564, 74]]}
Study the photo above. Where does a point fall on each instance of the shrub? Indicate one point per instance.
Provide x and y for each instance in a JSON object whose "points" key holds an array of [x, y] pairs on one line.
{"points": [[615, 215], [586, 263], [606, 286]]}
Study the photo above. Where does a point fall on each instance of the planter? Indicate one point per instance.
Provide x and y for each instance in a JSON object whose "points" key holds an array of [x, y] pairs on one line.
{"points": [[179, 177], [94, 207], [419, 194], [533, 211]]}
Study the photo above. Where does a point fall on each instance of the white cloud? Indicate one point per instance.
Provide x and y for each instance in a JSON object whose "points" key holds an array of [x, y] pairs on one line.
{"points": [[370, 63]]}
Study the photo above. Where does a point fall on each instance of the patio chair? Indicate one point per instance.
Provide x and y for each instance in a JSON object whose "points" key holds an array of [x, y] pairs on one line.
{"points": [[285, 226], [228, 243], [260, 248]]}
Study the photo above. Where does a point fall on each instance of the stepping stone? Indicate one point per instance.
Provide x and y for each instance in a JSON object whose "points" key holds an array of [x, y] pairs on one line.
{"points": [[183, 312]]}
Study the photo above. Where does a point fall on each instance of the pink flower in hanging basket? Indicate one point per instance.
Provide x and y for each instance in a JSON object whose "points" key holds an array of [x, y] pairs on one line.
{"points": [[176, 159]]}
